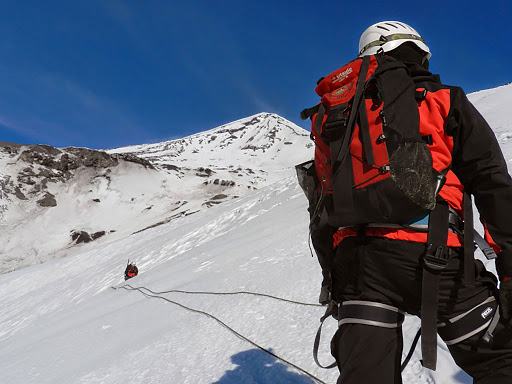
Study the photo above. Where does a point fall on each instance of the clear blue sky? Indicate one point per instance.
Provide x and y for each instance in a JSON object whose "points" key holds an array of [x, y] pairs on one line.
{"points": [[109, 73]]}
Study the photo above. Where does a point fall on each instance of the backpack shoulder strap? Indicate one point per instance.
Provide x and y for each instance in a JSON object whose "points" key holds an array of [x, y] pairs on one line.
{"points": [[339, 156]]}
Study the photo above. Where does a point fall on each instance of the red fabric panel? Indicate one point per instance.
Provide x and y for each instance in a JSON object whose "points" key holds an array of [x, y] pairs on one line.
{"points": [[344, 76], [322, 157], [433, 114], [395, 234], [490, 241], [363, 173]]}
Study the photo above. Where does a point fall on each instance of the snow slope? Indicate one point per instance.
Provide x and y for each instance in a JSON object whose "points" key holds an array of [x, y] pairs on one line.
{"points": [[494, 104], [63, 323]]}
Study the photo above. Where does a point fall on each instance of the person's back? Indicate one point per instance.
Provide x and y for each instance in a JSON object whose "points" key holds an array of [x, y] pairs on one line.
{"points": [[381, 271]]}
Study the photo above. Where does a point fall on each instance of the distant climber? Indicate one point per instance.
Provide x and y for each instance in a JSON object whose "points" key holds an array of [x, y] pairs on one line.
{"points": [[130, 271]]}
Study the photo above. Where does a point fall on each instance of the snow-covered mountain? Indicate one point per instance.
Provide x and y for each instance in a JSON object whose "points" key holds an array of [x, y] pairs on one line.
{"points": [[55, 202], [63, 323], [494, 105], [263, 143]]}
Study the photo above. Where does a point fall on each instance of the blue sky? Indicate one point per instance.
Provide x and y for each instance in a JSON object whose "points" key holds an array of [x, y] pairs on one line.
{"points": [[108, 73]]}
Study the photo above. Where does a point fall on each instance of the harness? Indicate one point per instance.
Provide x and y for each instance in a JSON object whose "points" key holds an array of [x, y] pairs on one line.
{"points": [[483, 316]]}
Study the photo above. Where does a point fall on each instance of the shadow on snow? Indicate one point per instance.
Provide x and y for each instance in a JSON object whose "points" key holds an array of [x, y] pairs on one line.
{"points": [[463, 378], [257, 367]]}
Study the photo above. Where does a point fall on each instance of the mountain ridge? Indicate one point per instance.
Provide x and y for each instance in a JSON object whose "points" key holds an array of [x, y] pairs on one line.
{"points": [[68, 197]]}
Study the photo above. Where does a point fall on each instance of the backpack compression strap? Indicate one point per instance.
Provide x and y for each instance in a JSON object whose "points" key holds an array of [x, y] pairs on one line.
{"points": [[435, 260], [340, 152]]}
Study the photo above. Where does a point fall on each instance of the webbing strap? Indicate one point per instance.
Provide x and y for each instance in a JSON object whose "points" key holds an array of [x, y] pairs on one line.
{"points": [[484, 246], [489, 333], [365, 133], [430, 292], [340, 153], [436, 259], [319, 119], [469, 245], [307, 113], [345, 146], [361, 80], [331, 309], [370, 313], [469, 323]]}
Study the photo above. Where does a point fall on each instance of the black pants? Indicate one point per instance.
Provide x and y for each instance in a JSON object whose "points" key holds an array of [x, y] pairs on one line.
{"points": [[390, 272]]}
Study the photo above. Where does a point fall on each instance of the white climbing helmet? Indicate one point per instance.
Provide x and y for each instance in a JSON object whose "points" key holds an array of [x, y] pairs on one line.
{"points": [[388, 35]]}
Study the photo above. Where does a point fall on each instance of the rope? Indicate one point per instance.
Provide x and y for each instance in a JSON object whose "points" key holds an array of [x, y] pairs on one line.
{"points": [[411, 350], [233, 293], [239, 335]]}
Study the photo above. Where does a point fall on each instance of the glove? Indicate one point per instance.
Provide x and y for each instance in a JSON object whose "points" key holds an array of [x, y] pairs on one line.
{"points": [[326, 300], [505, 294], [325, 295]]}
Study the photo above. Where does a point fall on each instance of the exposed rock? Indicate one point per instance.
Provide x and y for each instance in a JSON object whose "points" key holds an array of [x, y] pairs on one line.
{"points": [[37, 188], [97, 235], [26, 180], [204, 172], [19, 194], [253, 148], [224, 183], [48, 200], [10, 148], [29, 171], [65, 163], [41, 148], [71, 158], [46, 173], [254, 121], [219, 197], [80, 237], [135, 159], [210, 204], [91, 158], [170, 167], [84, 237]]}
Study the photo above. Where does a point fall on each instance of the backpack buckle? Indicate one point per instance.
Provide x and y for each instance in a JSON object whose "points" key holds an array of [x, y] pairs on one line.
{"points": [[420, 95], [436, 258]]}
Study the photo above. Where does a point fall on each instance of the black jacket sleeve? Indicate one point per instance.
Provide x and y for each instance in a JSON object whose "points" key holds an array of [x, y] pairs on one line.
{"points": [[479, 164], [322, 239]]}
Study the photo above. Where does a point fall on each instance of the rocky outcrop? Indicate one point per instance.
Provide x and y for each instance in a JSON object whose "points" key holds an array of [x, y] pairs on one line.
{"points": [[84, 237], [204, 172], [48, 200], [46, 164], [67, 159]]}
